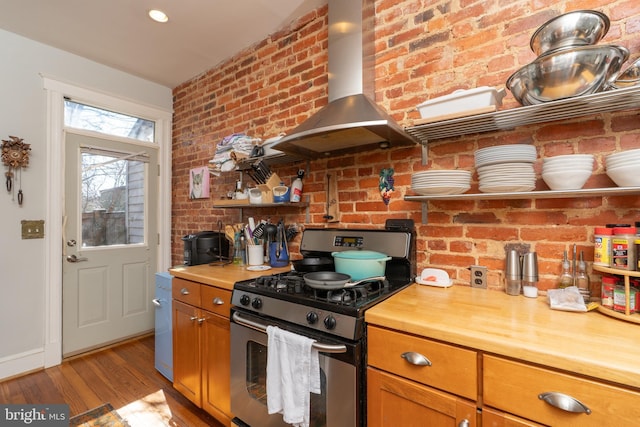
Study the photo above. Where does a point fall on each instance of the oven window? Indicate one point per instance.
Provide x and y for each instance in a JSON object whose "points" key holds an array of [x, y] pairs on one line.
{"points": [[256, 383]]}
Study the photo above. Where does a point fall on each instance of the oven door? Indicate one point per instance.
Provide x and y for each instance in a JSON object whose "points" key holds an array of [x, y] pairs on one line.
{"points": [[336, 406]]}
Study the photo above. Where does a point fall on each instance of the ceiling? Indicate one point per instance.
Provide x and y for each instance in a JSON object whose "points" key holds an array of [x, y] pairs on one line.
{"points": [[118, 33]]}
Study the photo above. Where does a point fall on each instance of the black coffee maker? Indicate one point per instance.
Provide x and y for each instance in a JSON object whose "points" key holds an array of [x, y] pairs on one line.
{"points": [[205, 247]]}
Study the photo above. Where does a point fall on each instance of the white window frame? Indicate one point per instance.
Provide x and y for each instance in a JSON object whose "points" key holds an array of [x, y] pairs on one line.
{"points": [[56, 91]]}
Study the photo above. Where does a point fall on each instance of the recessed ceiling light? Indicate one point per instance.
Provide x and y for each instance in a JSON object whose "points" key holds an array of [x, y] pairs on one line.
{"points": [[158, 15]]}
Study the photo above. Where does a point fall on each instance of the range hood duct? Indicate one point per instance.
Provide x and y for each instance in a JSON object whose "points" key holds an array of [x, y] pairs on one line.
{"points": [[350, 121]]}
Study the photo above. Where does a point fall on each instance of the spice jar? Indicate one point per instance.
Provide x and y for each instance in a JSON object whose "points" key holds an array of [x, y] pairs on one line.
{"points": [[608, 285], [602, 247], [623, 248], [620, 299]]}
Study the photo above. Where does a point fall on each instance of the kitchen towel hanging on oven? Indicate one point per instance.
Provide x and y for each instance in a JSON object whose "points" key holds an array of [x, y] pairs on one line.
{"points": [[293, 371]]}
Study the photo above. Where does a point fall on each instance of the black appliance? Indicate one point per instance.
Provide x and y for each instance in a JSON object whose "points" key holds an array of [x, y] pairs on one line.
{"points": [[205, 247], [333, 318]]}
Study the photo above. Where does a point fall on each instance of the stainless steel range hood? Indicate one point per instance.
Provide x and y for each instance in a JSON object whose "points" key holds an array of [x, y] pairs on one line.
{"points": [[351, 121]]}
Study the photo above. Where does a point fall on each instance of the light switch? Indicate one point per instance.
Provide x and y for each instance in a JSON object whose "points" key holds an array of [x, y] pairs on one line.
{"points": [[32, 229]]}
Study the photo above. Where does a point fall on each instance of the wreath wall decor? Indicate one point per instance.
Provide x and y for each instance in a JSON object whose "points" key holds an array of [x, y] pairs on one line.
{"points": [[15, 156]]}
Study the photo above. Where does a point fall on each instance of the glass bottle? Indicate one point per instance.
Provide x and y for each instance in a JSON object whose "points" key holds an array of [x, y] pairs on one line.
{"points": [[566, 278], [582, 279]]}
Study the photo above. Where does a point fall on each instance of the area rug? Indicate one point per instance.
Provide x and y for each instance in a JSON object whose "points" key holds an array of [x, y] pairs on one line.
{"points": [[102, 416]]}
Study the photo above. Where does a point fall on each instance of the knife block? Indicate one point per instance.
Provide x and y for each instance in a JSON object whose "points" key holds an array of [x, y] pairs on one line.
{"points": [[267, 188]]}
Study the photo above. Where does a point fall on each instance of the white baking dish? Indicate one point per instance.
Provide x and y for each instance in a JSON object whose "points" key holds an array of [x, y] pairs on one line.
{"points": [[462, 100]]}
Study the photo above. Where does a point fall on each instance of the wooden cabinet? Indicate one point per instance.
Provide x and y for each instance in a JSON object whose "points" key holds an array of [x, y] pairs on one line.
{"points": [[439, 365], [494, 418], [396, 401], [201, 346], [554, 398], [411, 381]]}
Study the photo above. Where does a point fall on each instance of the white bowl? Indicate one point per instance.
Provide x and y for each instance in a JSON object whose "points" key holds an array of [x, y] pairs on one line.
{"points": [[566, 180], [568, 172], [623, 154], [625, 176], [569, 157], [623, 163], [569, 162], [567, 166]]}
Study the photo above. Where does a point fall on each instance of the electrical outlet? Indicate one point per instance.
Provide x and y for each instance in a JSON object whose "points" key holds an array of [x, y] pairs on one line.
{"points": [[478, 276], [32, 229]]}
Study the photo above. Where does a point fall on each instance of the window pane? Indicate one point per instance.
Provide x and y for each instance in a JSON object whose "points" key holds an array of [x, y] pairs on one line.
{"points": [[80, 116], [113, 202]]}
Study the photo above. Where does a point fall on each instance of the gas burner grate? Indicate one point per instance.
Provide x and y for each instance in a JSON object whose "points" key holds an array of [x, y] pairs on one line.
{"points": [[352, 295]]}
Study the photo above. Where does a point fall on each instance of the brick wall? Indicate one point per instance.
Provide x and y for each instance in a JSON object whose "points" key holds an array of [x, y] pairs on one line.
{"points": [[424, 49]]}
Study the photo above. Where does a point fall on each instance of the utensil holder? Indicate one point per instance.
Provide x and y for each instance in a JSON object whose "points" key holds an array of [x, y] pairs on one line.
{"points": [[278, 259]]}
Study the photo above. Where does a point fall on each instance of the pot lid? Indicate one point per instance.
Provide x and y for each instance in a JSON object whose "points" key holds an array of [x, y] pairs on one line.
{"points": [[359, 255]]}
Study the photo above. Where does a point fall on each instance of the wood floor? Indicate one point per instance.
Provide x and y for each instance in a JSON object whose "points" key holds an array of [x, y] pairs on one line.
{"points": [[122, 375]]}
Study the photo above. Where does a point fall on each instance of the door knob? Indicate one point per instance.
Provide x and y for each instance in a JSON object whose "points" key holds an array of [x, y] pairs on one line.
{"points": [[73, 258]]}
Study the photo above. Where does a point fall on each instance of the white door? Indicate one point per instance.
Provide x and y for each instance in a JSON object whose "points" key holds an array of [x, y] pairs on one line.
{"points": [[109, 239]]}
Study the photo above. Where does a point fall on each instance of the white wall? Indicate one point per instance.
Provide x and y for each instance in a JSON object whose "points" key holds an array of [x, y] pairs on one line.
{"points": [[23, 114]]}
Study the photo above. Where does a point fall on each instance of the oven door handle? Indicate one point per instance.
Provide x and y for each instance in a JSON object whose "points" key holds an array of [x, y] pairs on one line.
{"points": [[324, 348]]}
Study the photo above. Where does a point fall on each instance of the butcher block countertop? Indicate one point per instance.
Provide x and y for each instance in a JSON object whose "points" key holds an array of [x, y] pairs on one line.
{"points": [[221, 276], [590, 344]]}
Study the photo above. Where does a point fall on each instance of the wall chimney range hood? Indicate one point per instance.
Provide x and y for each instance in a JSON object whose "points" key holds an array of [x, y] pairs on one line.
{"points": [[351, 121]]}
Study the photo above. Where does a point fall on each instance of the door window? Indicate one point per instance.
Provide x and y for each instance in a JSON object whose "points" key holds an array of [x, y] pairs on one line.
{"points": [[112, 197]]}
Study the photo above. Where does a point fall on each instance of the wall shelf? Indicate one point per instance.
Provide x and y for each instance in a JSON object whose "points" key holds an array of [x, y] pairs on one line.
{"points": [[602, 102], [524, 195], [231, 205]]}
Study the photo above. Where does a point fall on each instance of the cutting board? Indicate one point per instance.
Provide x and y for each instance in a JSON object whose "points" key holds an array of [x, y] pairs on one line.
{"points": [[458, 114]]}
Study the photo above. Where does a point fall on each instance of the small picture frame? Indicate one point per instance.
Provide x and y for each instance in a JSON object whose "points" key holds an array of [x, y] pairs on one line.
{"points": [[199, 183]]}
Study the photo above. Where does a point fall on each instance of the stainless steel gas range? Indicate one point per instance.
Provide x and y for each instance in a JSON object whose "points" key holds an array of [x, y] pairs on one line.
{"points": [[333, 318]]}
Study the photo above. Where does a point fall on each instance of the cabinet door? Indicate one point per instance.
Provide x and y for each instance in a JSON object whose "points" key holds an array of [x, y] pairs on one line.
{"points": [[216, 367], [395, 401], [186, 351], [520, 389], [493, 418]]}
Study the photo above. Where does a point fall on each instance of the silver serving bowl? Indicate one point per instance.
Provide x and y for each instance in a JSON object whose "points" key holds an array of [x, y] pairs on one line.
{"points": [[629, 77], [566, 73], [577, 28]]}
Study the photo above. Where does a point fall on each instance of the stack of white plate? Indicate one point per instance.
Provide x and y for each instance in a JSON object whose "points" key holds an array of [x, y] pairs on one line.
{"points": [[506, 168], [623, 168], [568, 171], [441, 182]]}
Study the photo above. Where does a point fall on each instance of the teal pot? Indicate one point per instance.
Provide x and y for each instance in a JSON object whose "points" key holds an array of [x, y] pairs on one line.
{"points": [[360, 264]]}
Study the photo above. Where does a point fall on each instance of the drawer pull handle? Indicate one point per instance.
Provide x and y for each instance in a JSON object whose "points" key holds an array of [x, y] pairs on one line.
{"points": [[201, 320], [564, 402], [184, 291], [415, 358], [464, 423], [193, 318], [218, 301]]}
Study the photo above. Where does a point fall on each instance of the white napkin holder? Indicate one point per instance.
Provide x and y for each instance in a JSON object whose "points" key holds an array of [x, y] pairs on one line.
{"points": [[434, 277]]}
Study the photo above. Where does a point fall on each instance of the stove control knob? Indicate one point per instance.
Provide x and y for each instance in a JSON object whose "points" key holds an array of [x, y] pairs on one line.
{"points": [[312, 317], [256, 303], [330, 322], [245, 300]]}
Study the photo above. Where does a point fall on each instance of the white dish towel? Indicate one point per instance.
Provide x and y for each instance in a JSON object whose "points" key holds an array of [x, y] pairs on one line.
{"points": [[293, 371]]}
